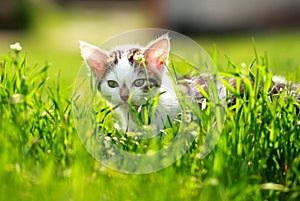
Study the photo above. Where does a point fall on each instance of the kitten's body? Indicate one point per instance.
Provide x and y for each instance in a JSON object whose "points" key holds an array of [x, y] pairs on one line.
{"points": [[279, 84], [131, 75]]}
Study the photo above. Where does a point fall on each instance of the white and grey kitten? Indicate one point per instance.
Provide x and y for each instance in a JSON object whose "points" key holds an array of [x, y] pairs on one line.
{"points": [[133, 74], [130, 75]]}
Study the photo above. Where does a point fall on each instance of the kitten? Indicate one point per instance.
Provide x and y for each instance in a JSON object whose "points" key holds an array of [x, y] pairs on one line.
{"points": [[130, 75]]}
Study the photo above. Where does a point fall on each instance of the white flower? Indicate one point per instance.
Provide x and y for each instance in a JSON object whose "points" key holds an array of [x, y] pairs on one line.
{"points": [[16, 47], [243, 65], [139, 57], [17, 99]]}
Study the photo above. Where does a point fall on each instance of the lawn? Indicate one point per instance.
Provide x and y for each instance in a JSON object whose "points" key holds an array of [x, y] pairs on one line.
{"points": [[257, 156]]}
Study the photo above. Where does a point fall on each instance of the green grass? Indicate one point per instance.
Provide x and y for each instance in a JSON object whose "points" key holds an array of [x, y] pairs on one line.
{"points": [[257, 156]]}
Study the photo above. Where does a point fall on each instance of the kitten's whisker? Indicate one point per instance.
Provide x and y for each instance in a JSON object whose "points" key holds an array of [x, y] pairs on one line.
{"points": [[127, 128], [116, 106]]}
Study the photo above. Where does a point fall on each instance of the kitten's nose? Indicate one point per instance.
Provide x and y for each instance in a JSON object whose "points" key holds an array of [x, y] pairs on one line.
{"points": [[124, 93], [124, 98]]}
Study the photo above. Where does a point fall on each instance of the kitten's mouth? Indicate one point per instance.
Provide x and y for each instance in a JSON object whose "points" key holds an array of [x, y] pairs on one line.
{"points": [[124, 104]]}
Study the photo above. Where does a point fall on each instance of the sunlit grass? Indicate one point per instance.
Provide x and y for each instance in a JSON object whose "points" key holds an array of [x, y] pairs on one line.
{"points": [[42, 158], [256, 158]]}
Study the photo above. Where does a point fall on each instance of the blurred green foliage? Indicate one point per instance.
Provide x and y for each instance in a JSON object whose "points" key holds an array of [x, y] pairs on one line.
{"points": [[55, 32], [16, 15]]}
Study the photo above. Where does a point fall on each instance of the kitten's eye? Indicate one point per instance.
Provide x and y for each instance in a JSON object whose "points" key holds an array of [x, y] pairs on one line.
{"points": [[139, 82], [112, 83]]}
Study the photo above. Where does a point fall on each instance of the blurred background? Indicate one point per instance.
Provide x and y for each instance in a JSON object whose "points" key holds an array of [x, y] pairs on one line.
{"points": [[49, 30]]}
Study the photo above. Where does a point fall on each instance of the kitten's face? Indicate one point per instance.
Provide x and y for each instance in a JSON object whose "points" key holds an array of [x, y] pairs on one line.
{"points": [[129, 73], [128, 82]]}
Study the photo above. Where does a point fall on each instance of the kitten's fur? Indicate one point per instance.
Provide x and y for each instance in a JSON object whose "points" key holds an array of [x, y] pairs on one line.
{"points": [[133, 73]]}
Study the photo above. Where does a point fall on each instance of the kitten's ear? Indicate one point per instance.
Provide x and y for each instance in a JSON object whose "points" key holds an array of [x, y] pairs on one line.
{"points": [[157, 52], [95, 57]]}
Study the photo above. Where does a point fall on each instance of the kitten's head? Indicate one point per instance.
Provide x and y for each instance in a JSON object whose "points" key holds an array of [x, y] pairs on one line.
{"points": [[128, 73]]}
